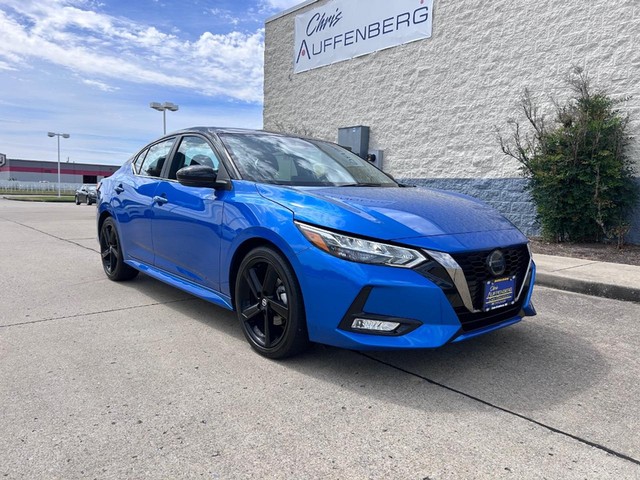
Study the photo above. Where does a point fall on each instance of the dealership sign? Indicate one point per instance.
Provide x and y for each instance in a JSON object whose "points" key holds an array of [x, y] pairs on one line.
{"points": [[3, 159], [344, 29]]}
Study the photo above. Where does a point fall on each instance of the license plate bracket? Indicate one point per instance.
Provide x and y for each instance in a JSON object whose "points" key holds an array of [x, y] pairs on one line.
{"points": [[499, 292]]}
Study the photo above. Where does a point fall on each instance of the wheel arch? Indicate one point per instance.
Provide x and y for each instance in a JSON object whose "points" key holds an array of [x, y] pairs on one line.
{"points": [[103, 216], [294, 337], [241, 252]]}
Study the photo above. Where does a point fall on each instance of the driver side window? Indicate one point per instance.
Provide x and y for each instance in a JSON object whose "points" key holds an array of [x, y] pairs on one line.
{"points": [[193, 151]]}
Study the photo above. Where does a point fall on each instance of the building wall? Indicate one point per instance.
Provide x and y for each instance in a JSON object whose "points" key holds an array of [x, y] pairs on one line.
{"points": [[40, 171], [433, 105]]}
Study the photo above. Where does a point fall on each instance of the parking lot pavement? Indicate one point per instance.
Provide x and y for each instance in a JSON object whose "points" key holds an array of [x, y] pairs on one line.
{"points": [[138, 380]]}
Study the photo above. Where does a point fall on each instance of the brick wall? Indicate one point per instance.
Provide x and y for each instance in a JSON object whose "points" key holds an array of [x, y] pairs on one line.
{"points": [[433, 105]]}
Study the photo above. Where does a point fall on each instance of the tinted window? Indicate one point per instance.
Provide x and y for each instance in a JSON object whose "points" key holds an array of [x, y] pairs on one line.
{"points": [[193, 151], [154, 161], [295, 161], [139, 159]]}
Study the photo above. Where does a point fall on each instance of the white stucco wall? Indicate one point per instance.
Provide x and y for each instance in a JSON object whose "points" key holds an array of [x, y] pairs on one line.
{"points": [[433, 105]]}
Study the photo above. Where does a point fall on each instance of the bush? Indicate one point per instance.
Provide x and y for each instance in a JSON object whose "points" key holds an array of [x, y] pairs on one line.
{"points": [[581, 179]]}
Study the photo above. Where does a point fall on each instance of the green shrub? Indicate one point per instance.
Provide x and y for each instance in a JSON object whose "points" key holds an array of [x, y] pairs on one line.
{"points": [[581, 178]]}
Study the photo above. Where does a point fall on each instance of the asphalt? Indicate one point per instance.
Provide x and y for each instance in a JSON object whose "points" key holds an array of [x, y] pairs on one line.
{"points": [[601, 279], [119, 380]]}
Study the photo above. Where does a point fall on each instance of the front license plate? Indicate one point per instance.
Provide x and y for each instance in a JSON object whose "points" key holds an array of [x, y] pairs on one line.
{"points": [[499, 293]]}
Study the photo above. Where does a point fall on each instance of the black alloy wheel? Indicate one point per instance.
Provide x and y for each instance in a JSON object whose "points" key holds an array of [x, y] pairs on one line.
{"points": [[88, 200], [111, 253], [269, 305], [77, 200]]}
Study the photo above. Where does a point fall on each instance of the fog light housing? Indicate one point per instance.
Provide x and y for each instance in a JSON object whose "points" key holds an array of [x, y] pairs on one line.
{"points": [[374, 325]]}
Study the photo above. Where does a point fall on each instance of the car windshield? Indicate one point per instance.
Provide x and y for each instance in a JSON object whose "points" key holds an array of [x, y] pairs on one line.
{"points": [[91, 188], [267, 158]]}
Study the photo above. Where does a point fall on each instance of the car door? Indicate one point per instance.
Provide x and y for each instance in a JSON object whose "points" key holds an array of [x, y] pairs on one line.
{"points": [[134, 192], [187, 220], [82, 194]]}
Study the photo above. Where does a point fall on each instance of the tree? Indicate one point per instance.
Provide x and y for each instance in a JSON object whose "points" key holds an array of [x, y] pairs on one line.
{"points": [[581, 179]]}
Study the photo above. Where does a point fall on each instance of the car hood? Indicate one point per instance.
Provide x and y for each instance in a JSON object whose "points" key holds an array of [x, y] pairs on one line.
{"points": [[388, 213]]}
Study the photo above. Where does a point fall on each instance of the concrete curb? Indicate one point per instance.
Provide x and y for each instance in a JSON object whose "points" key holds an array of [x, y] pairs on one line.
{"points": [[615, 292]]}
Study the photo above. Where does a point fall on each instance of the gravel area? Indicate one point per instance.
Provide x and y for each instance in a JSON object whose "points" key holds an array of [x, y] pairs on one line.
{"points": [[629, 254]]}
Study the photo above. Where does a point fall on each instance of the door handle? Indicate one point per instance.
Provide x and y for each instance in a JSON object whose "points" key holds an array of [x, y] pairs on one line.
{"points": [[160, 200], [119, 189]]}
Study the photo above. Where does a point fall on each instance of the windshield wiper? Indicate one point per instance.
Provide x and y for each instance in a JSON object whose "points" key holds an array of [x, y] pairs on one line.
{"points": [[364, 184]]}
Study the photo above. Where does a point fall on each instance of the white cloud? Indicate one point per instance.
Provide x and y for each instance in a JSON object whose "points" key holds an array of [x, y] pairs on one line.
{"points": [[280, 4], [101, 47], [225, 15], [99, 85], [105, 127], [6, 66]]}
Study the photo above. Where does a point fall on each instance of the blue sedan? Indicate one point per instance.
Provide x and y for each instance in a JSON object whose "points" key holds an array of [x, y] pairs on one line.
{"points": [[306, 241]]}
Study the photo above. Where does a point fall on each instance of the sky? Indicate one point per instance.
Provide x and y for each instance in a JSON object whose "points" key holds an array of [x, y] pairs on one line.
{"points": [[90, 68]]}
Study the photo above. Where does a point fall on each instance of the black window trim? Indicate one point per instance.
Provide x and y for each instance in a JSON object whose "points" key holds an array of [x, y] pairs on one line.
{"points": [[223, 170], [169, 156], [227, 169], [225, 158], [176, 147], [134, 163]]}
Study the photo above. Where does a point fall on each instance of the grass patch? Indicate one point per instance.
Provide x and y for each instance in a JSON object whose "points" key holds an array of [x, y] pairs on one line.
{"points": [[31, 193]]}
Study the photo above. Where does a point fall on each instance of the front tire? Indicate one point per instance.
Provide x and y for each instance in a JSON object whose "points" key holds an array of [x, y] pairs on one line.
{"points": [[269, 305], [111, 253], [77, 200]]}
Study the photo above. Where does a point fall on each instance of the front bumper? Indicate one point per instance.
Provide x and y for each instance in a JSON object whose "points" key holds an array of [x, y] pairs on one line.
{"points": [[337, 291]]}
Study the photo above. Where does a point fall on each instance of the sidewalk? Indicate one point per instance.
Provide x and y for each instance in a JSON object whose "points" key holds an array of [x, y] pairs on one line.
{"points": [[610, 280]]}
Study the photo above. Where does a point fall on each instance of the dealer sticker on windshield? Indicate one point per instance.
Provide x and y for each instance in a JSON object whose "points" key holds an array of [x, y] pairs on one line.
{"points": [[499, 293]]}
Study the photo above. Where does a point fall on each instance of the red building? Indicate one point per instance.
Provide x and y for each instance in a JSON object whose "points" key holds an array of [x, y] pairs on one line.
{"points": [[41, 171]]}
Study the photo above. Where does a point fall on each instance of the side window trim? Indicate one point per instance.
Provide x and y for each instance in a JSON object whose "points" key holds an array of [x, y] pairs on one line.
{"points": [[166, 164], [164, 173], [139, 160], [178, 144], [225, 158]]}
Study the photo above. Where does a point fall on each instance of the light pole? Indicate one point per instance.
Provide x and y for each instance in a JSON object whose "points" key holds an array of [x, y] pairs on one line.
{"points": [[63, 135], [163, 107]]}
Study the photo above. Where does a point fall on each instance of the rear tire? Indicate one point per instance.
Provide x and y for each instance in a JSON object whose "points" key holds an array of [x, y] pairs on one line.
{"points": [[269, 305], [111, 253]]}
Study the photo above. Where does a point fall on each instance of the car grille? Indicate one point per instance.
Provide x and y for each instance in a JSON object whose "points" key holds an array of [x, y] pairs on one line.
{"points": [[476, 272]]}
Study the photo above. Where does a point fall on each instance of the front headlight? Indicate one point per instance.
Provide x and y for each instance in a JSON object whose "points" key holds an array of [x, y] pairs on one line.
{"points": [[361, 250]]}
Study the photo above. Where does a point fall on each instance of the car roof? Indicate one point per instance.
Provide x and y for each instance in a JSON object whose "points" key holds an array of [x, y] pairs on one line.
{"points": [[234, 130]]}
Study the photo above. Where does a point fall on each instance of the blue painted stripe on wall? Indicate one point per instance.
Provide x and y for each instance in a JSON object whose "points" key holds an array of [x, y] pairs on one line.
{"points": [[510, 197]]}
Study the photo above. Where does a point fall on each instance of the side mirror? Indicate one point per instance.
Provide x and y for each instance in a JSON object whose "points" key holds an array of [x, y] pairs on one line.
{"points": [[201, 176]]}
